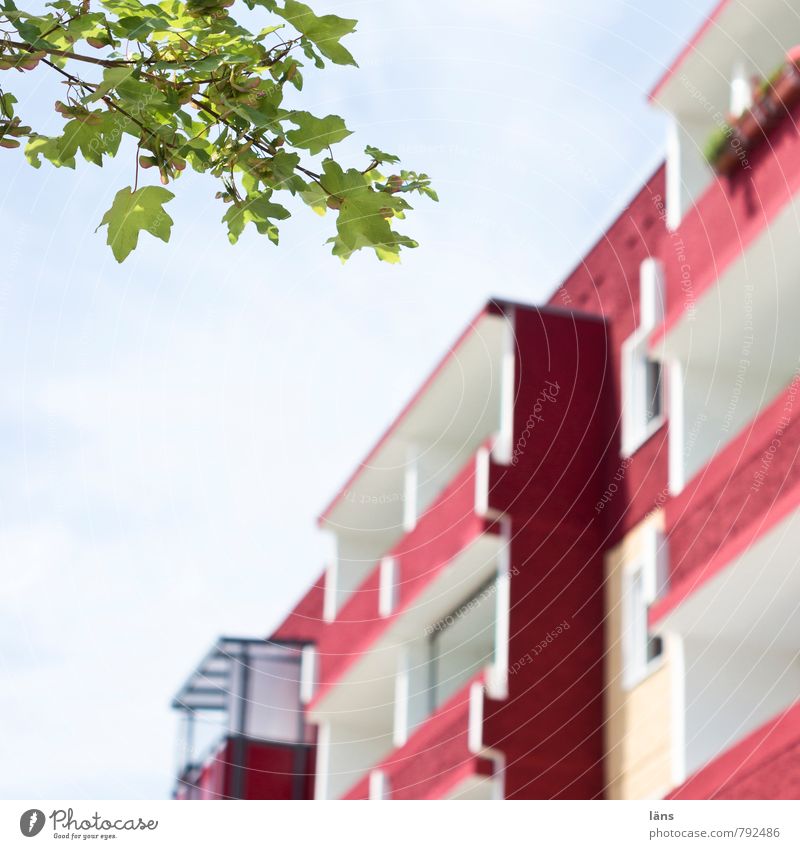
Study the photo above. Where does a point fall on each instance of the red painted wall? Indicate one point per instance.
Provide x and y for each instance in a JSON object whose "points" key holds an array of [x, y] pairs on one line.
{"points": [[550, 727], [606, 283]]}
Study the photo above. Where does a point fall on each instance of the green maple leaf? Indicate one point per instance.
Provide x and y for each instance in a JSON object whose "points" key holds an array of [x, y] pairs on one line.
{"points": [[97, 134], [259, 210], [50, 149], [315, 134], [316, 197], [93, 139], [364, 215], [380, 156], [132, 212], [325, 31], [283, 170], [112, 79]]}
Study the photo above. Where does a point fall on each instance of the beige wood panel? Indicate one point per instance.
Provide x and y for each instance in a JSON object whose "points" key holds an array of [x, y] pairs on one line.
{"points": [[638, 728]]}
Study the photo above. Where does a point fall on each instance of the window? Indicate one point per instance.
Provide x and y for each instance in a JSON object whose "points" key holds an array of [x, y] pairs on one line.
{"points": [[643, 582], [462, 643], [642, 404], [637, 624], [640, 648], [652, 390], [642, 393]]}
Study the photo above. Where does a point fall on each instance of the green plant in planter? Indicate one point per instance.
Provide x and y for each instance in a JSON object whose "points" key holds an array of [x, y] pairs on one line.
{"points": [[717, 143], [766, 85]]}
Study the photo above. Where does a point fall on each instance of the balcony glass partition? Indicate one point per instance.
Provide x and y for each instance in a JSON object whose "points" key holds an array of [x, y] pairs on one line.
{"points": [[243, 688], [462, 643]]}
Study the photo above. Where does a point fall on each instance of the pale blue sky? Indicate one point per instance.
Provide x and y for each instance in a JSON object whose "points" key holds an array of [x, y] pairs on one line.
{"points": [[170, 428]]}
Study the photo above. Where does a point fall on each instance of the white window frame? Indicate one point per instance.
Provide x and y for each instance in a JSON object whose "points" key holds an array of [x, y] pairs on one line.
{"points": [[637, 428], [644, 580]]}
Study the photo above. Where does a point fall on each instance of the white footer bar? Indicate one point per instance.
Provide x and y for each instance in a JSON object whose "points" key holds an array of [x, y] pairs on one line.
{"points": [[400, 825]]}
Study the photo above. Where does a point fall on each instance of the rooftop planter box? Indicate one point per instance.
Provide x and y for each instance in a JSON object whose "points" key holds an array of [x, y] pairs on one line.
{"points": [[728, 145]]}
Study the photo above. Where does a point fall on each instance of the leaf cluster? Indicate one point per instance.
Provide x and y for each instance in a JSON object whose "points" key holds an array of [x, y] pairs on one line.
{"points": [[193, 89]]}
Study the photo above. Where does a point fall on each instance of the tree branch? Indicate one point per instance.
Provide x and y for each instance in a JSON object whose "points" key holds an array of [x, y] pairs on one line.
{"points": [[112, 104], [68, 54], [106, 99]]}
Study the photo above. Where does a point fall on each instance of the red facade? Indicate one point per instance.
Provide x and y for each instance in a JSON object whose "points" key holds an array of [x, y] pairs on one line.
{"points": [[460, 645]]}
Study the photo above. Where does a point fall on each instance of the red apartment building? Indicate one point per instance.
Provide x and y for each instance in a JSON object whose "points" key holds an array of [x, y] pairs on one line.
{"points": [[569, 568]]}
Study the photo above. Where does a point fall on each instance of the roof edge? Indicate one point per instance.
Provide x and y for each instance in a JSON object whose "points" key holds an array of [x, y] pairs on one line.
{"points": [[690, 45], [494, 306]]}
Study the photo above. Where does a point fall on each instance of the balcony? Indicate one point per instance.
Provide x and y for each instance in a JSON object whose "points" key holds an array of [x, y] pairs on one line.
{"points": [[712, 84], [748, 487], [243, 732], [735, 631], [249, 769], [729, 215], [455, 523], [722, 378], [439, 761], [424, 621], [765, 765]]}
